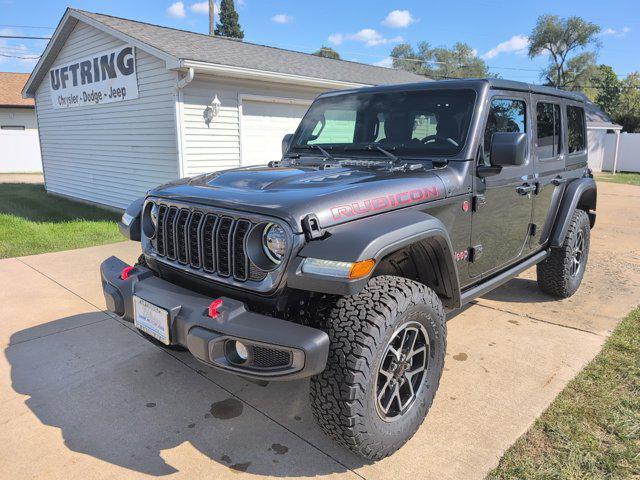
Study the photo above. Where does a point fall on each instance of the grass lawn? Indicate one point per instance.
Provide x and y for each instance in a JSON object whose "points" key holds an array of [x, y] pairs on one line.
{"points": [[31, 221], [592, 430], [628, 178]]}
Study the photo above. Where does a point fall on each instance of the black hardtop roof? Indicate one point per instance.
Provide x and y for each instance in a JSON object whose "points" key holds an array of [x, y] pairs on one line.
{"points": [[470, 83]]}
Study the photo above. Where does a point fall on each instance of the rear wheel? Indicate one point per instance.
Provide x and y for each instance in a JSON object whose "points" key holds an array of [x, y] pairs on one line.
{"points": [[385, 361], [561, 273]]}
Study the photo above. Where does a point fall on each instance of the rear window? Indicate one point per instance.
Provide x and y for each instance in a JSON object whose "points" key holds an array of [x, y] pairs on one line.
{"points": [[548, 126], [575, 123]]}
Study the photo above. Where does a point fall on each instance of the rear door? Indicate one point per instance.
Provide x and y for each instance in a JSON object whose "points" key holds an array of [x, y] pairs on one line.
{"points": [[502, 210], [549, 164]]}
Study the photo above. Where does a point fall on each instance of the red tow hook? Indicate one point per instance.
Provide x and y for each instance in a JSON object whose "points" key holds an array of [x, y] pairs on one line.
{"points": [[125, 272], [213, 308]]}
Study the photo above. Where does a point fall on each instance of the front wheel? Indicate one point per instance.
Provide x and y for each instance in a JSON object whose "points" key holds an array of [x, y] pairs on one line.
{"points": [[560, 274], [385, 361]]}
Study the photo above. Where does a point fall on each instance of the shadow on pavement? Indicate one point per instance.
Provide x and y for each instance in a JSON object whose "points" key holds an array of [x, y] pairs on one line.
{"points": [[519, 290], [126, 402]]}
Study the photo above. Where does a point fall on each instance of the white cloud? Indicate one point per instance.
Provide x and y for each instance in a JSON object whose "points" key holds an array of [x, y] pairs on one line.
{"points": [[176, 10], [618, 33], [368, 36], [17, 52], [385, 62], [282, 18], [398, 19], [241, 3], [516, 44]]}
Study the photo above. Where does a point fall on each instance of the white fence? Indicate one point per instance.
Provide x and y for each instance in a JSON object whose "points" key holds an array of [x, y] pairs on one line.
{"points": [[602, 147], [20, 151]]}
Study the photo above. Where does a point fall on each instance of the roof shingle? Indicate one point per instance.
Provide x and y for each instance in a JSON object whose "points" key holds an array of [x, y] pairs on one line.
{"points": [[187, 45], [11, 85]]}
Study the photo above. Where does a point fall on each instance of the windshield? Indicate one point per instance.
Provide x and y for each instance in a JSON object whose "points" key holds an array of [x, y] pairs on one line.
{"points": [[425, 123]]}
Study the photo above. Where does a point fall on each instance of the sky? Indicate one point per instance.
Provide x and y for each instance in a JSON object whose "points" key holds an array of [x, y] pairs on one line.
{"points": [[360, 30]]}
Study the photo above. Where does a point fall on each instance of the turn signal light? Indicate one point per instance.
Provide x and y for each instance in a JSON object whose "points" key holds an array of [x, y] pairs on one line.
{"points": [[125, 272], [361, 269], [213, 308]]}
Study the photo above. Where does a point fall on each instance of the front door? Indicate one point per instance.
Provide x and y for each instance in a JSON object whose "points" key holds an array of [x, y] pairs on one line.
{"points": [[503, 202]]}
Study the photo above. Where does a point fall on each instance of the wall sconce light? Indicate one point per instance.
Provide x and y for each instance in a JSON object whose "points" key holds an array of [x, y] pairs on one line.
{"points": [[212, 110]]}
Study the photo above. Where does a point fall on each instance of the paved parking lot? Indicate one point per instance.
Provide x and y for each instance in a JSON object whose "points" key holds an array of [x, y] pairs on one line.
{"points": [[83, 396]]}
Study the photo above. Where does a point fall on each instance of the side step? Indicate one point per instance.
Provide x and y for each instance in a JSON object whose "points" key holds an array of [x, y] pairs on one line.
{"points": [[494, 282]]}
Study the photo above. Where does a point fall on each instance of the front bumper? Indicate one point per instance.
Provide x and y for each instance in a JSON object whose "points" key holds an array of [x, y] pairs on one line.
{"points": [[278, 349]]}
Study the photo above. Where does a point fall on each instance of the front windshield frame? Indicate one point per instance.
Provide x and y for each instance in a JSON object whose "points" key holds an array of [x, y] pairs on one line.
{"points": [[362, 110]]}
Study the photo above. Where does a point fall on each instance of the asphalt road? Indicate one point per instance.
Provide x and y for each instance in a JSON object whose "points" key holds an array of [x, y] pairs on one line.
{"points": [[84, 396]]}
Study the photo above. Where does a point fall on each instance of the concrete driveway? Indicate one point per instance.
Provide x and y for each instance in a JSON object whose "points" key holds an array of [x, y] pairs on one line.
{"points": [[83, 396]]}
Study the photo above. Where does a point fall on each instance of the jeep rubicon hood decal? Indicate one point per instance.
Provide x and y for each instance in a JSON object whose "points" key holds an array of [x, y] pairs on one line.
{"points": [[335, 195]]}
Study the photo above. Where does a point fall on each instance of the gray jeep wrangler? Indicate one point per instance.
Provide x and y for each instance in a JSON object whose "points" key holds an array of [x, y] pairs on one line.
{"points": [[389, 207]]}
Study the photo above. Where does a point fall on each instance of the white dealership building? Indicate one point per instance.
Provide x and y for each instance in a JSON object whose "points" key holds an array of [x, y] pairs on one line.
{"points": [[123, 106]]}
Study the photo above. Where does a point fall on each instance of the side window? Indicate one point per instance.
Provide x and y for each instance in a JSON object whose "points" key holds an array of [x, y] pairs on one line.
{"points": [[337, 126], [505, 115], [575, 123], [548, 126]]}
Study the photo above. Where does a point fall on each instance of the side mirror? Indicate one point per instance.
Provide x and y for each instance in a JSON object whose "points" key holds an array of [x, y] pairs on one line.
{"points": [[508, 149], [286, 140]]}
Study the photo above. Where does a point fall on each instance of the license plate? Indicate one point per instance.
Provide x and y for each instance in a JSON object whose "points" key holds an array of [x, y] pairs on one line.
{"points": [[151, 319]]}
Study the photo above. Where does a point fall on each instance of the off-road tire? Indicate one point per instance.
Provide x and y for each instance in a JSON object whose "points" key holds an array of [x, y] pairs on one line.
{"points": [[343, 396], [554, 273]]}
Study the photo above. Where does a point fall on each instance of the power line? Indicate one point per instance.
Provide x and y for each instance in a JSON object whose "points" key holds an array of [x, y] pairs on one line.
{"points": [[24, 37], [27, 26], [20, 57]]}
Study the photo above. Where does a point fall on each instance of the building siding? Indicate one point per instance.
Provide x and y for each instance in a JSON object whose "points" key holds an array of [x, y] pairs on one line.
{"points": [[216, 147], [112, 153]]}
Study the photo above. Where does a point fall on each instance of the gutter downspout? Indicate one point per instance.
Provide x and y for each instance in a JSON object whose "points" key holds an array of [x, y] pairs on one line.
{"points": [[183, 82]]}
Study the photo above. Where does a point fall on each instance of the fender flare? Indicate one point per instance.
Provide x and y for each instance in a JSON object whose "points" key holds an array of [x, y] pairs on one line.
{"points": [[129, 225], [579, 193], [373, 237]]}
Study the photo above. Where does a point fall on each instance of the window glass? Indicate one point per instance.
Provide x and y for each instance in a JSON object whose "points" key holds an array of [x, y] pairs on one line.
{"points": [[575, 121], [12, 127], [337, 126], [505, 115], [421, 123], [548, 126]]}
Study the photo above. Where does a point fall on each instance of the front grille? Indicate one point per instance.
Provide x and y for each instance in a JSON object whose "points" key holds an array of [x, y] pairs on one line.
{"points": [[265, 357], [207, 241]]}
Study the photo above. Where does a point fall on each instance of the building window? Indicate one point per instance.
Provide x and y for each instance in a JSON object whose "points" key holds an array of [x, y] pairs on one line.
{"points": [[548, 125], [11, 127], [576, 137]]}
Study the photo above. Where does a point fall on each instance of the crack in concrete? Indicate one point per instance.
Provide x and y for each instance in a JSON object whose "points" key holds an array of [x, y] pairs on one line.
{"points": [[524, 315]]}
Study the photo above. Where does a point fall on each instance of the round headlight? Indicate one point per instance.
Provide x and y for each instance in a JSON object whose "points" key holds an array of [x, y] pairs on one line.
{"points": [[274, 242], [153, 214], [150, 219]]}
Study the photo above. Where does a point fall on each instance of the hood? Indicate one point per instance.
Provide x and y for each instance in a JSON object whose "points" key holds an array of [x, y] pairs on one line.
{"points": [[335, 195]]}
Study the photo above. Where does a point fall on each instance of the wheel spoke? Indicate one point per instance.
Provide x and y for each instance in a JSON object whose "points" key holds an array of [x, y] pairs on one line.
{"points": [[401, 372]]}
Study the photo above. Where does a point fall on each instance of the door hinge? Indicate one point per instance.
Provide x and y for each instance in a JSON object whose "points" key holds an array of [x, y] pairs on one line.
{"points": [[475, 252], [311, 227], [477, 202]]}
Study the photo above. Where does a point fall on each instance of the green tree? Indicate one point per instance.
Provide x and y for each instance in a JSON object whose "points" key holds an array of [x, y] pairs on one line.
{"points": [[228, 25], [327, 52], [608, 89], [460, 61], [565, 39], [628, 111]]}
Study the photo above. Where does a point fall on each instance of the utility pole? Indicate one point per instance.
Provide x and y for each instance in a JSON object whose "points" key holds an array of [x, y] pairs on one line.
{"points": [[212, 23]]}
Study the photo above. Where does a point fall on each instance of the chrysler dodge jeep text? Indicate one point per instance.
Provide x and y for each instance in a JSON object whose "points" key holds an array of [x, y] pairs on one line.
{"points": [[390, 206]]}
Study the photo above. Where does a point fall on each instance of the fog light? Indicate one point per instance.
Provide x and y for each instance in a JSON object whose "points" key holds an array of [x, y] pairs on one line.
{"points": [[236, 352], [242, 351]]}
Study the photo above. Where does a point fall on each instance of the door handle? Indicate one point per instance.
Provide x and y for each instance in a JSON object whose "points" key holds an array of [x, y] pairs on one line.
{"points": [[526, 189], [559, 181]]}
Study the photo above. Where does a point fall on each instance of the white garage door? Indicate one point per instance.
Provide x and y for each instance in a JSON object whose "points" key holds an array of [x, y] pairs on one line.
{"points": [[263, 125]]}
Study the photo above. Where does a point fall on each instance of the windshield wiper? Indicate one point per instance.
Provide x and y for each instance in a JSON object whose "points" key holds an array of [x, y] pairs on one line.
{"points": [[326, 154], [373, 146]]}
